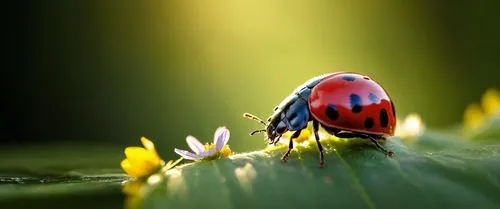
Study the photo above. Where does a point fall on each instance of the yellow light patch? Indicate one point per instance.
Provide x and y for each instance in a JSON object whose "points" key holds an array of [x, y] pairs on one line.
{"points": [[411, 126], [473, 116], [491, 102], [305, 134]]}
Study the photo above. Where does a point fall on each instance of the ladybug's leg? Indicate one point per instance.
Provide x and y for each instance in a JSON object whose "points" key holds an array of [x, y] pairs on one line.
{"points": [[276, 140], [290, 146], [316, 135], [385, 151]]}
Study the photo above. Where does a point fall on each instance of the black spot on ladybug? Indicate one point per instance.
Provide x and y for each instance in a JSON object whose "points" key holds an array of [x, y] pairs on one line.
{"points": [[348, 78], [373, 98], [384, 118], [356, 103], [393, 110], [331, 112], [369, 123]]}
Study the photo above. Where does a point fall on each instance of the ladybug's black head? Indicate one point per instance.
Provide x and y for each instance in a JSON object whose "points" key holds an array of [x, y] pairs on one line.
{"points": [[271, 133], [270, 128]]}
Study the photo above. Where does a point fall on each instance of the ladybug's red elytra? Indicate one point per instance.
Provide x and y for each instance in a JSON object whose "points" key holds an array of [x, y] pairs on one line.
{"points": [[346, 105]]}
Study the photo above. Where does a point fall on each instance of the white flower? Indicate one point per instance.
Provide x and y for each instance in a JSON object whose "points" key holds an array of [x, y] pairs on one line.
{"points": [[217, 149]]}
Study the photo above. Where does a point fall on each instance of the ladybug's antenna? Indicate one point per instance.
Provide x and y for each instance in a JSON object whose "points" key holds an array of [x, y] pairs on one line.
{"points": [[257, 131], [253, 117]]}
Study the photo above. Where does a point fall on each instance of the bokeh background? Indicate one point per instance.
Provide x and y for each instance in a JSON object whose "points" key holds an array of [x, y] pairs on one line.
{"points": [[107, 72]]}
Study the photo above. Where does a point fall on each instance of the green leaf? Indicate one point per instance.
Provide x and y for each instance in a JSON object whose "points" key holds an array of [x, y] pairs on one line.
{"points": [[61, 175], [431, 171]]}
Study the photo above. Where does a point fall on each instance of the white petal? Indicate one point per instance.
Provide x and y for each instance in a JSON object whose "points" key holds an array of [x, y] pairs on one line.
{"points": [[204, 154], [187, 155], [221, 137], [194, 144], [226, 139]]}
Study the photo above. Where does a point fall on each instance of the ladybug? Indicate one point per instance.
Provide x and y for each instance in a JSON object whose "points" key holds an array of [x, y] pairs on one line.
{"points": [[346, 105]]}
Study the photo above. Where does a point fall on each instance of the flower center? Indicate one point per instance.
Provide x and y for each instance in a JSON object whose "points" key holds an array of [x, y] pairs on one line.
{"points": [[209, 146]]}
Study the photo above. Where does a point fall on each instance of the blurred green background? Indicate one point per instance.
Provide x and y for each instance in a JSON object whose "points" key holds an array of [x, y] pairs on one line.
{"points": [[108, 72]]}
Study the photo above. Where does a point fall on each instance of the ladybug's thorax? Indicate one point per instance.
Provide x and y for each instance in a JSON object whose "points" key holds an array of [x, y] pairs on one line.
{"points": [[276, 127], [293, 114]]}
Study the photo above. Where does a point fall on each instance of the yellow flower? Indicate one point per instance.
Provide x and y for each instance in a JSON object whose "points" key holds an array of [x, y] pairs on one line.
{"points": [[142, 161], [473, 116], [410, 127], [491, 102]]}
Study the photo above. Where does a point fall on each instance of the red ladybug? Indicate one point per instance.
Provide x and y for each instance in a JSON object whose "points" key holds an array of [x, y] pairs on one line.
{"points": [[346, 105]]}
